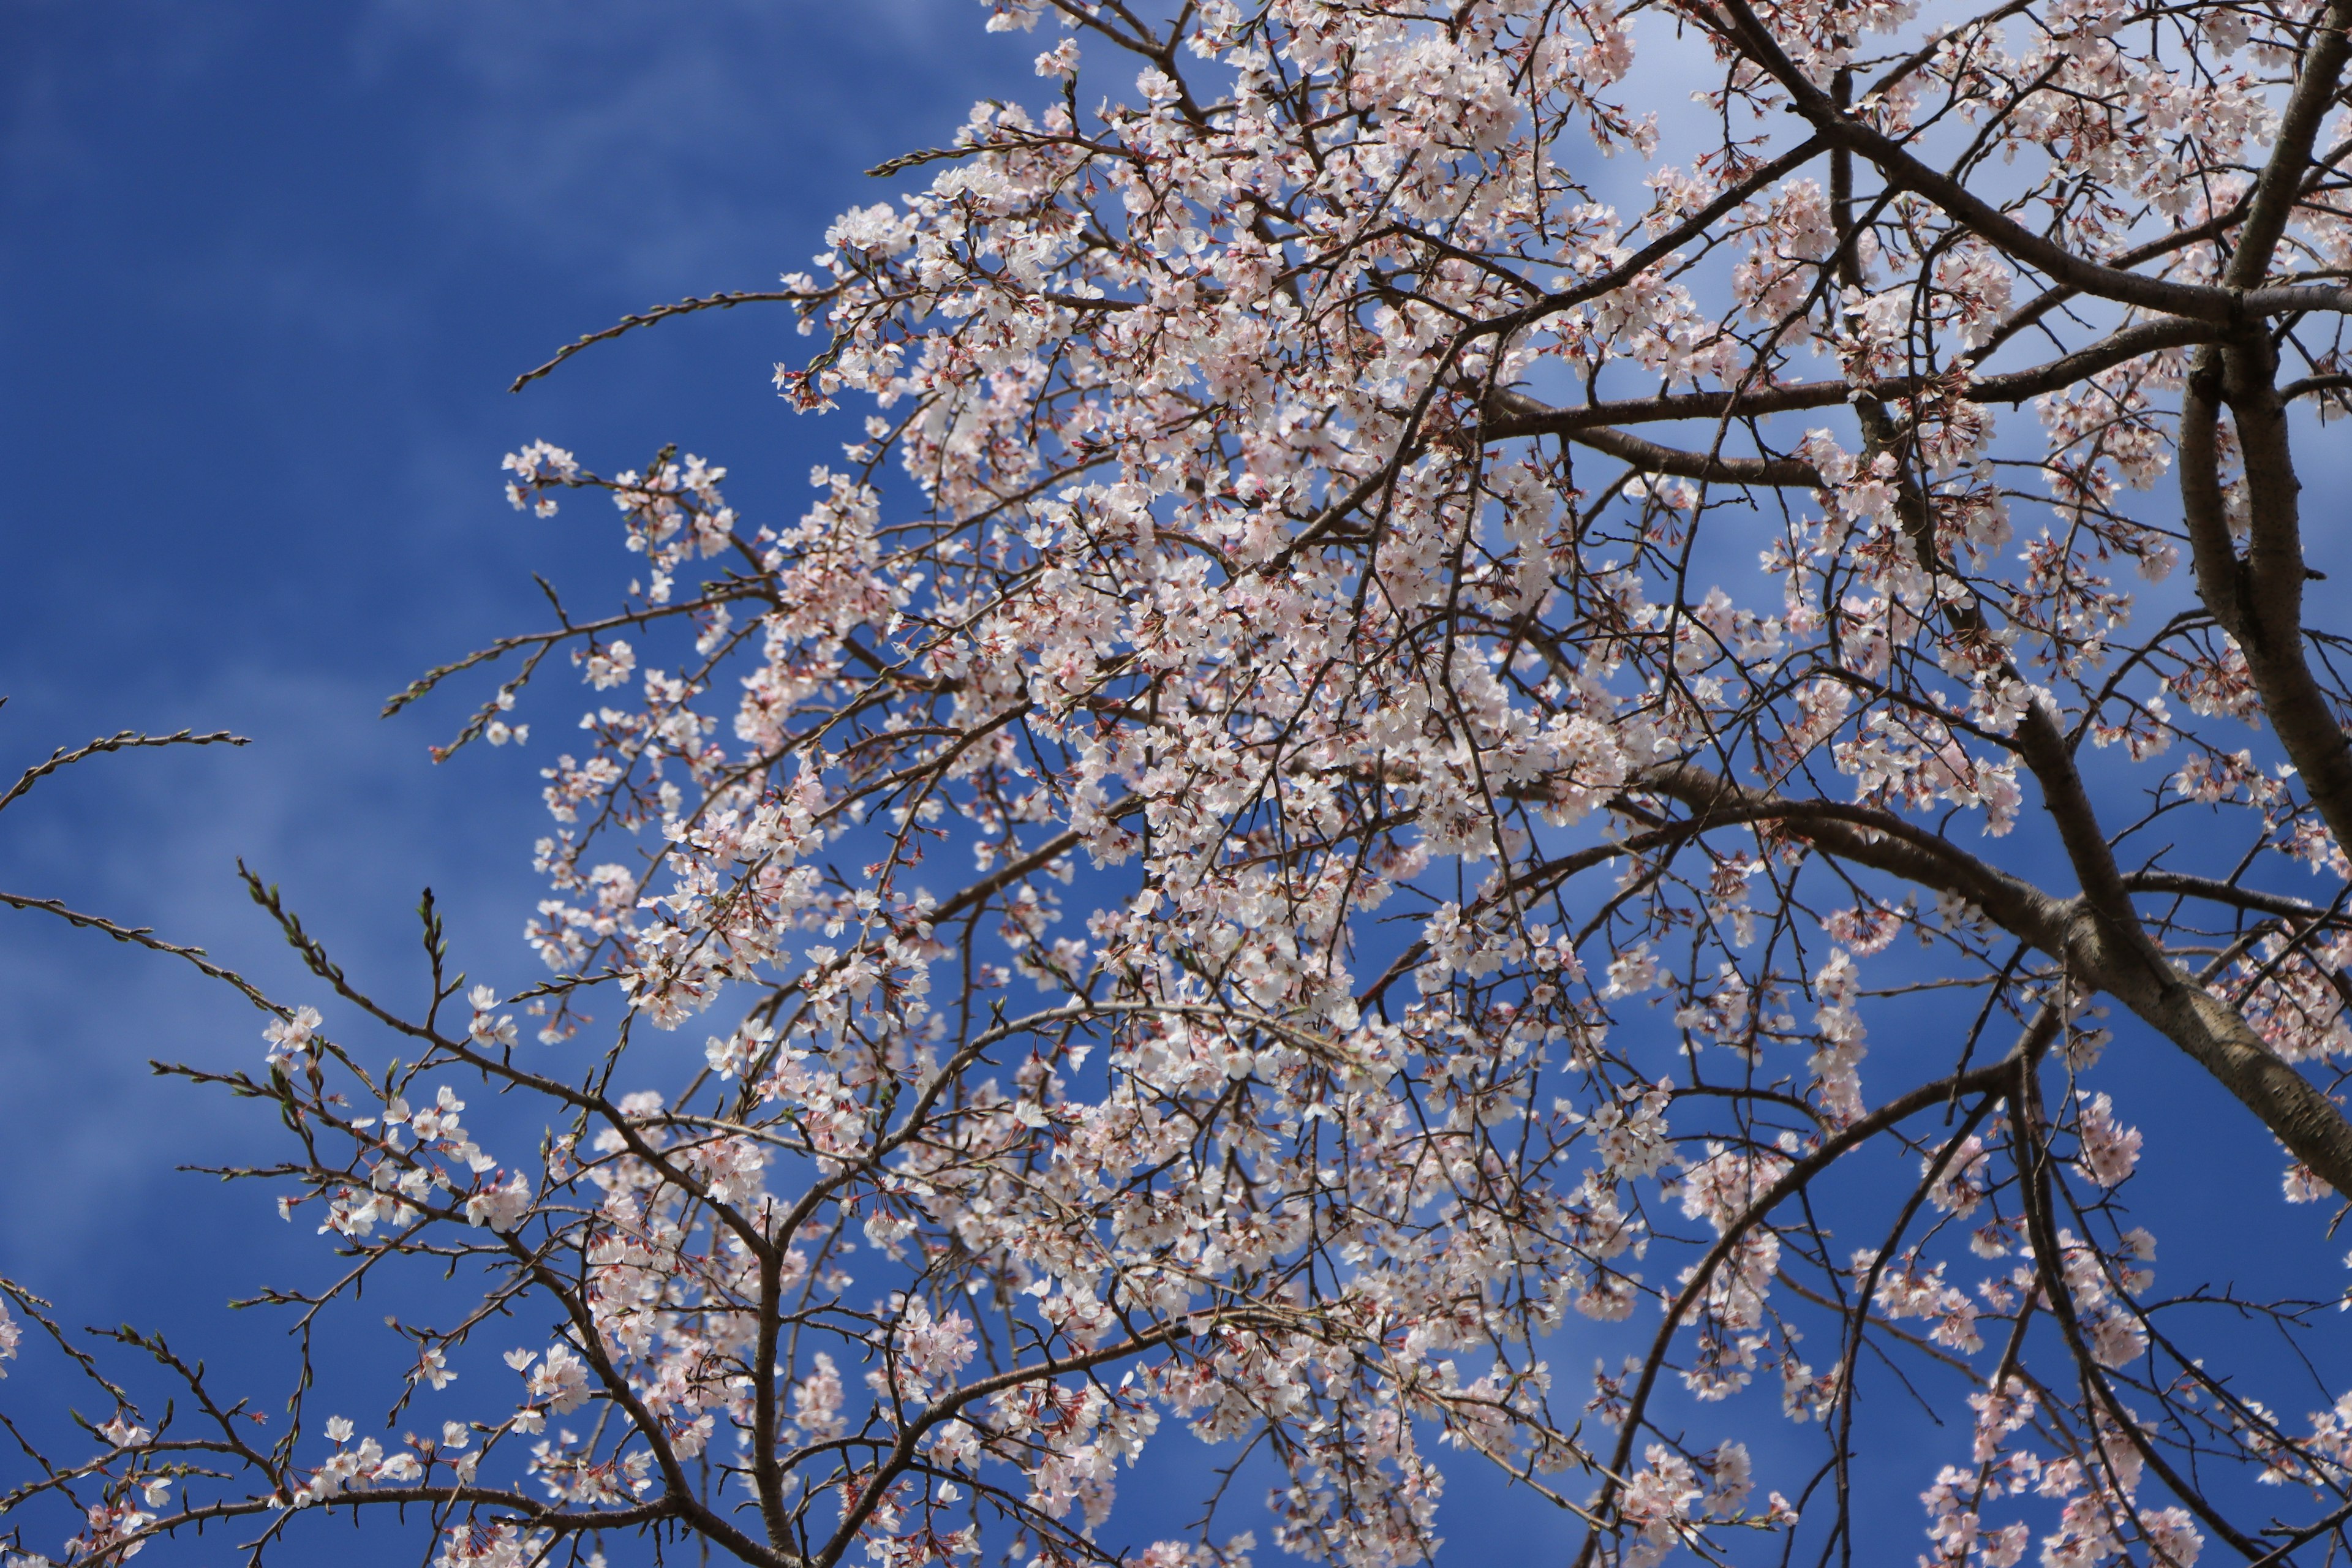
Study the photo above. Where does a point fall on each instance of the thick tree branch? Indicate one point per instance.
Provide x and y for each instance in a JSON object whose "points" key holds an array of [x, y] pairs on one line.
{"points": [[2224, 305], [2118, 960], [1513, 413]]}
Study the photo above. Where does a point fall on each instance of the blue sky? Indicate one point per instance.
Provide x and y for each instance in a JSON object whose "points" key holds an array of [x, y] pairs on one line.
{"points": [[269, 269]]}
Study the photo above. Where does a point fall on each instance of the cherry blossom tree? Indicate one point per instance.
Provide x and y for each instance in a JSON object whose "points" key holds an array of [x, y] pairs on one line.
{"points": [[1440, 716]]}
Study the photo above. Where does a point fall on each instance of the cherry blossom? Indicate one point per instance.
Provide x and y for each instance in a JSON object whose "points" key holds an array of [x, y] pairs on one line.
{"points": [[1325, 817]]}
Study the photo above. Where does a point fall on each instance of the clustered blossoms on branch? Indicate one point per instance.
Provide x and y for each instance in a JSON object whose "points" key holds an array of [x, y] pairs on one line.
{"points": [[1395, 756]]}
